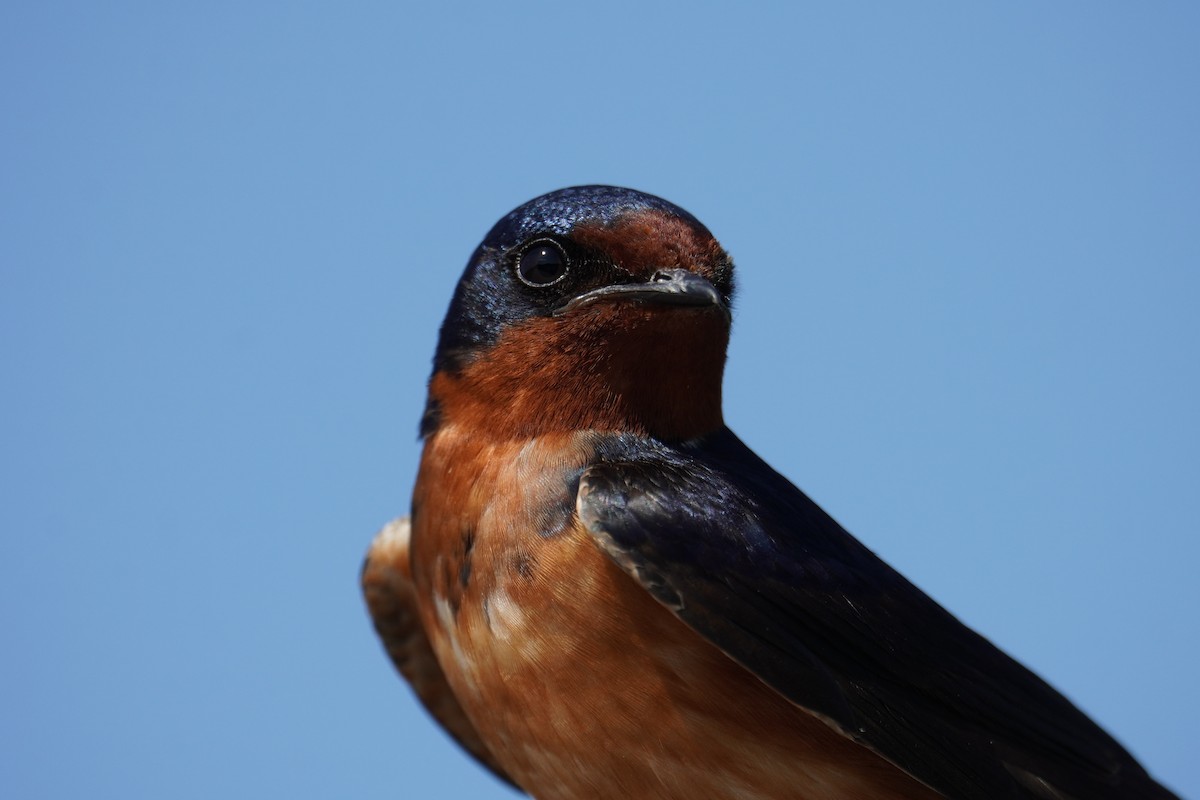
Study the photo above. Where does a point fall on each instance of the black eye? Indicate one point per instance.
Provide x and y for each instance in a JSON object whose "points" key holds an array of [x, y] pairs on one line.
{"points": [[542, 263]]}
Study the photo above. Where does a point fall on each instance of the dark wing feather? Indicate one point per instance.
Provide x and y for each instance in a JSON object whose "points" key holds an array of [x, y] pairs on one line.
{"points": [[752, 564]]}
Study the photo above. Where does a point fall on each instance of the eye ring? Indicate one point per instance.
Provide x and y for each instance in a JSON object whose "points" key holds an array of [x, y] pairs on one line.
{"points": [[542, 263]]}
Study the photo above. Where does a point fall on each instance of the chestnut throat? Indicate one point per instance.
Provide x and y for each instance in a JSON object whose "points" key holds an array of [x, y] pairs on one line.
{"points": [[644, 370]]}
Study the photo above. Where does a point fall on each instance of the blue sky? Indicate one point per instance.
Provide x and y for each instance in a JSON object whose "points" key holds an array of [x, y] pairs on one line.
{"points": [[968, 250]]}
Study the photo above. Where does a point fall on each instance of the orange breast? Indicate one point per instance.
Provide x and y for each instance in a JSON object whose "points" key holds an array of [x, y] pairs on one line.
{"points": [[582, 685]]}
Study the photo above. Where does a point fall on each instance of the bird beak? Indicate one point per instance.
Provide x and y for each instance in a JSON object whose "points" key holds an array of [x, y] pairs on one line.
{"points": [[672, 287]]}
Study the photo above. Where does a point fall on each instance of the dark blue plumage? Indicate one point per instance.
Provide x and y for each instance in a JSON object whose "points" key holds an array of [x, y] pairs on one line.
{"points": [[559, 212]]}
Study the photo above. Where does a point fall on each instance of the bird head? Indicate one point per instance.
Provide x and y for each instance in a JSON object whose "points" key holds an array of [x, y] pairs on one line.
{"points": [[593, 307]]}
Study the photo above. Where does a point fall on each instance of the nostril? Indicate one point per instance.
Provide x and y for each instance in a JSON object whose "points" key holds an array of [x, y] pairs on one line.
{"points": [[665, 275]]}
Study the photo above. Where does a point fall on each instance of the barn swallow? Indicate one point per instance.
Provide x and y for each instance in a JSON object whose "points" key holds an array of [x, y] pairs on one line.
{"points": [[601, 592]]}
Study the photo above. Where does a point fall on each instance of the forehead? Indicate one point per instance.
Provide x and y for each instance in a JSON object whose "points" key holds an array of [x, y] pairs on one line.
{"points": [[562, 211], [641, 242]]}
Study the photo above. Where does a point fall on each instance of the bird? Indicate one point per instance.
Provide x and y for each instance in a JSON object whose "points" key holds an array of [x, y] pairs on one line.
{"points": [[601, 592]]}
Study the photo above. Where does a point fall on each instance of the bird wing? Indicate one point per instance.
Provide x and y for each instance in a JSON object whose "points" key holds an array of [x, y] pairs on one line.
{"points": [[757, 568], [392, 601]]}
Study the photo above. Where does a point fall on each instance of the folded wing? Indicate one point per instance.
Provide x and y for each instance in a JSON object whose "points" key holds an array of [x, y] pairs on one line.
{"points": [[752, 564]]}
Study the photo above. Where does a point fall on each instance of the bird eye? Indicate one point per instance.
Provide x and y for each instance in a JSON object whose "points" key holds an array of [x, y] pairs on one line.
{"points": [[542, 263]]}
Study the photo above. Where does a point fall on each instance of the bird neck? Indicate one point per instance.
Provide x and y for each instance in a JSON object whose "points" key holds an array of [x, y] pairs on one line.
{"points": [[659, 379]]}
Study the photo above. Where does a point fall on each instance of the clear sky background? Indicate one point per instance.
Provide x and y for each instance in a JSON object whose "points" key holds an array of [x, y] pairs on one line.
{"points": [[968, 326]]}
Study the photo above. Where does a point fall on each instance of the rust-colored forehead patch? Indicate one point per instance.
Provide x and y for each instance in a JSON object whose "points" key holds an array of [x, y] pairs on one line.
{"points": [[643, 241]]}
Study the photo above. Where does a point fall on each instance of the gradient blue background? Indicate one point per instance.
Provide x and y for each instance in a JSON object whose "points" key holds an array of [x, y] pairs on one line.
{"points": [[968, 326]]}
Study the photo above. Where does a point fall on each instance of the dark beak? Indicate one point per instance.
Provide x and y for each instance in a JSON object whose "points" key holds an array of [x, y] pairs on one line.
{"points": [[672, 287]]}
